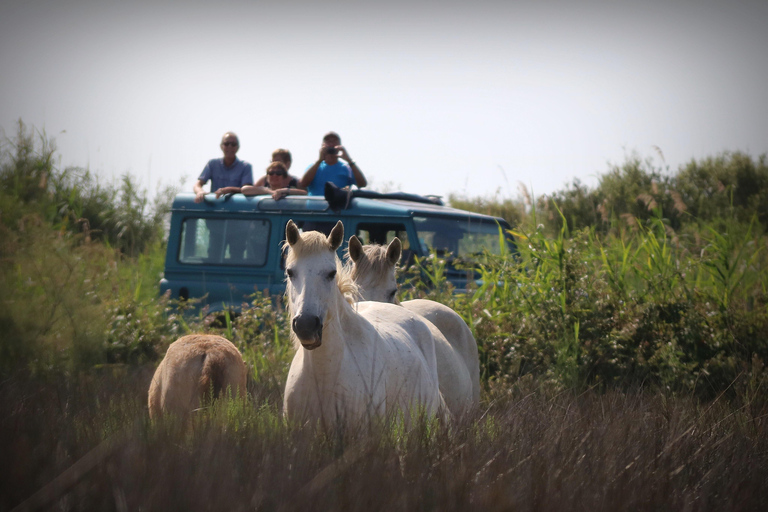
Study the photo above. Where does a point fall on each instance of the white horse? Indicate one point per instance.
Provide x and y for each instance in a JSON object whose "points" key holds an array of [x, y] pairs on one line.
{"points": [[351, 365], [193, 367], [458, 365]]}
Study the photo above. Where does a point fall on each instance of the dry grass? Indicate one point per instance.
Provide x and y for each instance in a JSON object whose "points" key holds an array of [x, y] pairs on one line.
{"points": [[525, 450]]}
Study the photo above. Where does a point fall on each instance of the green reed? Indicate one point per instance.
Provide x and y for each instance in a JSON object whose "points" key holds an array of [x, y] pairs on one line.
{"points": [[642, 304]]}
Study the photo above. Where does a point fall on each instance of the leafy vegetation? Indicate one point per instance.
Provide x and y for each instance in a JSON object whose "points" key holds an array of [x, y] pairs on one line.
{"points": [[79, 263], [623, 353], [72, 200], [626, 310], [729, 186]]}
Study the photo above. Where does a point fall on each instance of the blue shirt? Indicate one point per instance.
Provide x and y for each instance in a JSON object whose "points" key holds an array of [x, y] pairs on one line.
{"points": [[339, 174], [238, 174]]}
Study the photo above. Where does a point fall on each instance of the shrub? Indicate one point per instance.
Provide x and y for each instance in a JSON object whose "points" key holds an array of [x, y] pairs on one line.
{"points": [[72, 199]]}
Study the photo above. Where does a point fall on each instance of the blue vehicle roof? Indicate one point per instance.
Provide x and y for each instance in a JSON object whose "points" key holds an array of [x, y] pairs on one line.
{"points": [[358, 206]]}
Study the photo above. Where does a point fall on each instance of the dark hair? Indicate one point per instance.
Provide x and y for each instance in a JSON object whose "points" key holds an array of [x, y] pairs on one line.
{"points": [[282, 154], [331, 134]]}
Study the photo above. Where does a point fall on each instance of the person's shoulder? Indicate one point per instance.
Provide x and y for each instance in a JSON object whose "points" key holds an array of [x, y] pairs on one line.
{"points": [[242, 165]]}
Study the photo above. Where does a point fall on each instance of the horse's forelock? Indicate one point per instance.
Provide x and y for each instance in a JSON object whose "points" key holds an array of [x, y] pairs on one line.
{"points": [[310, 242]]}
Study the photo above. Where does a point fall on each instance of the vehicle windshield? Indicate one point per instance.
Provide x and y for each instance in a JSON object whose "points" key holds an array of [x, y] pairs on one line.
{"points": [[462, 238]]}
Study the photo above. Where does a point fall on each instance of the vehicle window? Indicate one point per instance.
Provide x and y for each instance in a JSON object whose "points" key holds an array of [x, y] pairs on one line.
{"points": [[224, 241], [383, 233], [324, 227], [461, 238]]}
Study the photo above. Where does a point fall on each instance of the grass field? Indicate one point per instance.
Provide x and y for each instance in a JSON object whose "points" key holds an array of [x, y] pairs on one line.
{"points": [[622, 351], [524, 450]]}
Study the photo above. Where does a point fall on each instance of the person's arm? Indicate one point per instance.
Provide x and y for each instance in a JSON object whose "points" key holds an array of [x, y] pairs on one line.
{"points": [[199, 192], [201, 181], [310, 174], [282, 192], [360, 180], [254, 190], [229, 190], [246, 180]]}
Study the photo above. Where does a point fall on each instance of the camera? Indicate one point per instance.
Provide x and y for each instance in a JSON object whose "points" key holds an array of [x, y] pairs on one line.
{"points": [[331, 151]]}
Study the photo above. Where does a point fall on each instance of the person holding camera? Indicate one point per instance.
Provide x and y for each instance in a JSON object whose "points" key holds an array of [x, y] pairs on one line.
{"points": [[228, 174], [329, 167]]}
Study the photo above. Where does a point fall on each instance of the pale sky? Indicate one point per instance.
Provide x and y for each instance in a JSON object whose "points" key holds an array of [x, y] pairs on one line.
{"points": [[428, 97]]}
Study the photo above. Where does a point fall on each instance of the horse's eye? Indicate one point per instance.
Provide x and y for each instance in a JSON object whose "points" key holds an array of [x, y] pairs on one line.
{"points": [[289, 271], [392, 295], [331, 275]]}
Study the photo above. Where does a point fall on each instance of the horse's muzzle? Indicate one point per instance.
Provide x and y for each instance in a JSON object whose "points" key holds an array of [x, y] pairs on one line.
{"points": [[309, 330]]}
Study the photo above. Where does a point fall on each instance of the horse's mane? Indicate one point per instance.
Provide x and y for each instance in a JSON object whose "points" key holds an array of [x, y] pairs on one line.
{"points": [[312, 242], [346, 283]]}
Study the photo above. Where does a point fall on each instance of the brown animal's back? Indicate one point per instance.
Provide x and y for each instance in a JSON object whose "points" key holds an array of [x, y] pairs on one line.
{"points": [[194, 366]]}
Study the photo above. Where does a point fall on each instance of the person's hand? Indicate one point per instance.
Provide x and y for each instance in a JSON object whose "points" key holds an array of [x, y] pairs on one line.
{"points": [[221, 192], [343, 153], [322, 154], [199, 197], [279, 193]]}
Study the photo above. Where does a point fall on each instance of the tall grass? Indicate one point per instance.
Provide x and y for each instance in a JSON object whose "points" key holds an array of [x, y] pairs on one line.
{"points": [[642, 306], [528, 449]]}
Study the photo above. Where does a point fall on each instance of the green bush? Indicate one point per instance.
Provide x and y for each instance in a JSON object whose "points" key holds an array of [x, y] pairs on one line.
{"points": [[70, 301], [73, 200], [728, 185], [513, 211], [637, 308]]}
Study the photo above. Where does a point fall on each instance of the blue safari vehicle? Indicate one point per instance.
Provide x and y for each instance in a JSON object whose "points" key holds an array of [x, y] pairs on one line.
{"points": [[223, 250]]}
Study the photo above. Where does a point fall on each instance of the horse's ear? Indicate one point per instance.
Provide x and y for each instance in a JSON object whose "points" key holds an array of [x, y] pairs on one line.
{"points": [[394, 251], [291, 233], [355, 248], [336, 236]]}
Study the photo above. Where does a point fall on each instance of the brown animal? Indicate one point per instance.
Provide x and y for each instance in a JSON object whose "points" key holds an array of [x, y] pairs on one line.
{"points": [[194, 367]]}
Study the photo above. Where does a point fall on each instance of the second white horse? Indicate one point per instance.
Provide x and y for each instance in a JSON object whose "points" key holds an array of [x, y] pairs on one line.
{"points": [[458, 365]]}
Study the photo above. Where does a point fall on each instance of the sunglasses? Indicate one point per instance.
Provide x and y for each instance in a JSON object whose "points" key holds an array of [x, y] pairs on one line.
{"points": [[276, 173], [229, 144]]}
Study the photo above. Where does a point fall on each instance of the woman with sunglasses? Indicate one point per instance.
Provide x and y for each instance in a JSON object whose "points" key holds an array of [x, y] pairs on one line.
{"points": [[278, 183]]}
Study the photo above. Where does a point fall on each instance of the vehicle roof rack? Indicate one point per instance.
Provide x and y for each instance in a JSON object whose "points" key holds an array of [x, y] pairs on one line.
{"points": [[340, 199]]}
